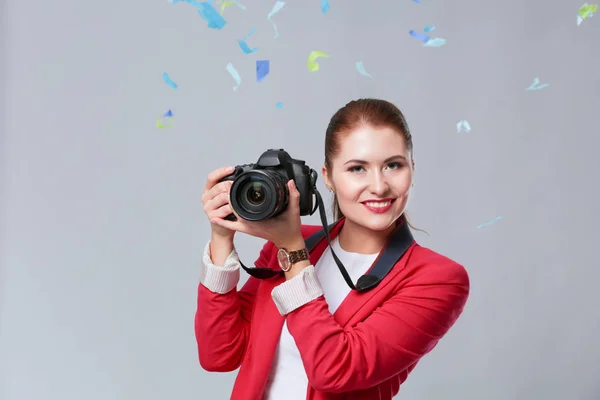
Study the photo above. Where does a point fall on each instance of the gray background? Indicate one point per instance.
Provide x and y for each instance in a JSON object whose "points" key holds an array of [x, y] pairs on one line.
{"points": [[102, 224]]}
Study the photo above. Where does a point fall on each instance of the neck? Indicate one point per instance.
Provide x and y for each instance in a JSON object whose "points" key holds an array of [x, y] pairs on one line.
{"points": [[355, 238]]}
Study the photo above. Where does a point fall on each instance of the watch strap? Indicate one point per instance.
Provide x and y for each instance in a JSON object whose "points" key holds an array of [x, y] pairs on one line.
{"points": [[298, 255]]}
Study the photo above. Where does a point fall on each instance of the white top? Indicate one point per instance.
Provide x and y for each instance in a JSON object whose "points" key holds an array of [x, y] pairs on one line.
{"points": [[287, 379]]}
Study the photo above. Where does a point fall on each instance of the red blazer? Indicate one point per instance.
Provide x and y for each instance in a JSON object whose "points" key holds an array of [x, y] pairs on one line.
{"points": [[365, 350]]}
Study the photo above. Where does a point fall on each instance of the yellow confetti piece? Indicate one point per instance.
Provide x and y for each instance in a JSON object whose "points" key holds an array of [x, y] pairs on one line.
{"points": [[225, 5], [587, 9], [312, 64], [160, 124]]}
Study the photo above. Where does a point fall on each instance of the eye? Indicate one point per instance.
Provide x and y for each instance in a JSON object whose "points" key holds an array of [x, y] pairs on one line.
{"points": [[394, 165], [356, 168]]}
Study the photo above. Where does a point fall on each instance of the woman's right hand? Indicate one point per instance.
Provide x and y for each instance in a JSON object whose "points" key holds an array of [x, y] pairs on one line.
{"points": [[216, 200]]}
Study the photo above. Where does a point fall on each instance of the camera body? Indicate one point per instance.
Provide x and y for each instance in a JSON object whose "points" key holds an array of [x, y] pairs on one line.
{"points": [[259, 190]]}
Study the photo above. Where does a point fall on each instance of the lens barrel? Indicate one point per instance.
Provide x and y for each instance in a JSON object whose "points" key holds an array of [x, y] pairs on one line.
{"points": [[259, 194]]}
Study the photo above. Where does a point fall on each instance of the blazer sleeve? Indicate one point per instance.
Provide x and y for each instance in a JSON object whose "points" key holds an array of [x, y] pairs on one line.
{"points": [[223, 315], [395, 336]]}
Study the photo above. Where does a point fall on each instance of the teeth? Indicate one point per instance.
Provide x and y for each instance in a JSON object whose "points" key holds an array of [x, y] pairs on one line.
{"points": [[378, 204]]}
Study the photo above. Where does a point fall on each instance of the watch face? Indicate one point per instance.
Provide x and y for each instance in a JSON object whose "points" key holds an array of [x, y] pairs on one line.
{"points": [[283, 258]]}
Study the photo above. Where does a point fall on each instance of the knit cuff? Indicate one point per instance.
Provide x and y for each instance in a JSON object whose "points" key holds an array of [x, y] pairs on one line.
{"points": [[298, 291], [219, 279]]}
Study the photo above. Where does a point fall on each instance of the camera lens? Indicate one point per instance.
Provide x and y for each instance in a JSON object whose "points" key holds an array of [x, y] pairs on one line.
{"points": [[255, 193], [259, 194]]}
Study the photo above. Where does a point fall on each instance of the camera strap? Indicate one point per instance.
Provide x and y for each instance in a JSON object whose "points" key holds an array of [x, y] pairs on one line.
{"points": [[399, 241]]}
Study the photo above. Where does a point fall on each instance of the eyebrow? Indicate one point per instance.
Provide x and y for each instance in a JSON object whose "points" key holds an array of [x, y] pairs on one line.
{"points": [[387, 160]]}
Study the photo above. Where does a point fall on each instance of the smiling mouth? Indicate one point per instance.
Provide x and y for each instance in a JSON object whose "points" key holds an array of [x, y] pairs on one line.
{"points": [[379, 204]]}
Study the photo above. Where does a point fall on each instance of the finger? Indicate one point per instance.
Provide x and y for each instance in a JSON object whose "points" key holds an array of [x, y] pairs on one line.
{"points": [[216, 175], [217, 202], [222, 211], [231, 225], [293, 189], [221, 187]]}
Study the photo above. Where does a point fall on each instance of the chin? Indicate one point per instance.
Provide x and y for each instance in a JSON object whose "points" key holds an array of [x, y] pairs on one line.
{"points": [[378, 224]]}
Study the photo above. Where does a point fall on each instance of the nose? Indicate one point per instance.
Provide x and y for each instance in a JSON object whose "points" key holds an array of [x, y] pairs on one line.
{"points": [[378, 185]]}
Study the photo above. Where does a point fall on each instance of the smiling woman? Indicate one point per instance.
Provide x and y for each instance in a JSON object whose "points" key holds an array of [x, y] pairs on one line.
{"points": [[305, 334], [355, 127]]}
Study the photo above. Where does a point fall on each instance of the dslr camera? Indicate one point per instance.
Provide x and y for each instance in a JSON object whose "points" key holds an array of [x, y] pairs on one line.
{"points": [[259, 191]]}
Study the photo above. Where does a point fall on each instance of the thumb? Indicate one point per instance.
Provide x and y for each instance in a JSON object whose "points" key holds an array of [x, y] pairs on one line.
{"points": [[292, 188]]}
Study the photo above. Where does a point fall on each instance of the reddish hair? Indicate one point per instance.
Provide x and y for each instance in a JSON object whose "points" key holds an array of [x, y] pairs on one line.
{"points": [[357, 113]]}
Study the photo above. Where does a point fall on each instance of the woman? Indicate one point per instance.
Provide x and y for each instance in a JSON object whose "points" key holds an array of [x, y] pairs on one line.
{"points": [[306, 334]]}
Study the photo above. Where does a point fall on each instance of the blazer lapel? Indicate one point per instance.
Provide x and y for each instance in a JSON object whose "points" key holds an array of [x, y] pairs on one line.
{"points": [[355, 300]]}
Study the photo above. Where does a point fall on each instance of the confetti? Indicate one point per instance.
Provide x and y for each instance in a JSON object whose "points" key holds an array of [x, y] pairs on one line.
{"points": [[208, 12], [489, 222], [244, 46], [279, 104], [420, 36], [235, 75], [429, 28], [361, 69], [586, 11], [463, 124], [262, 69], [278, 6], [230, 3], [324, 6], [535, 85], [169, 81], [313, 66], [191, 2], [436, 42], [169, 116], [417, 1]]}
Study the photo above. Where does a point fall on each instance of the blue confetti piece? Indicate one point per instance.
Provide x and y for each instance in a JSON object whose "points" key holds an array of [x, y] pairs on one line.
{"points": [[324, 6], [168, 114], [463, 124], [489, 222], [190, 2], [278, 6], [417, 1], [208, 12], [235, 75], [169, 81], [535, 85], [361, 69], [437, 42], [279, 104], [262, 69], [244, 46], [420, 36], [429, 28]]}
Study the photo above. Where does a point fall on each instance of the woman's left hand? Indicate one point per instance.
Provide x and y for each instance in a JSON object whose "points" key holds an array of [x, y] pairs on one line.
{"points": [[282, 230]]}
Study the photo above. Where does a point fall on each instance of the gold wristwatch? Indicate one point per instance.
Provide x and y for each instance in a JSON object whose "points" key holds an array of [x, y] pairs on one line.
{"points": [[287, 259]]}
